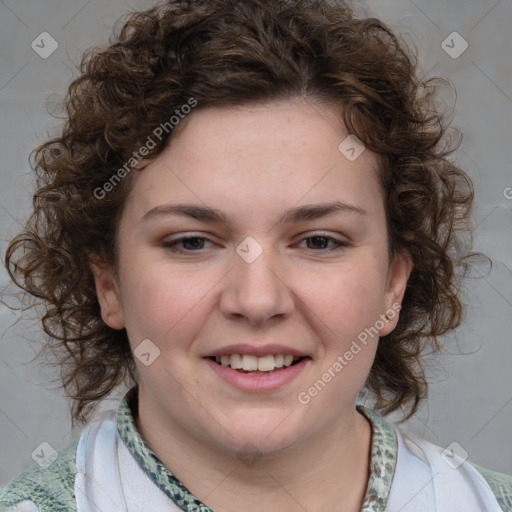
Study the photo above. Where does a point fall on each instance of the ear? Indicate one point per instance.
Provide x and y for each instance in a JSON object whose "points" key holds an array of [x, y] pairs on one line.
{"points": [[398, 275], [107, 290]]}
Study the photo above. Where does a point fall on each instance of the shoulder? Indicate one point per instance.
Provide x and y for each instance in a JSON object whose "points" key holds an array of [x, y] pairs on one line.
{"points": [[501, 486], [44, 489], [468, 475]]}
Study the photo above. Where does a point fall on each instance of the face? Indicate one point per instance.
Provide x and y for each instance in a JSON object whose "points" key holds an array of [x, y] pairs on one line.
{"points": [[254, 256]]}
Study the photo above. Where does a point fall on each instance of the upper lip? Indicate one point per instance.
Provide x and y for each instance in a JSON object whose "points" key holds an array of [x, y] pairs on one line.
{"points": [[258, 351]]}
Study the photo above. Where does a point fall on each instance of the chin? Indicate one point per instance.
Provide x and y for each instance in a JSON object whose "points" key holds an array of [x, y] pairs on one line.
{"points": [[267, 434]]}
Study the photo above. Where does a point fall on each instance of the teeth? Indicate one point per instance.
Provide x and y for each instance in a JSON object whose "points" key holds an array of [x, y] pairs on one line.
{"points": [[279, 360], [249, 362], [235, 361], [252, 363], [266, 364], [288, 360]]}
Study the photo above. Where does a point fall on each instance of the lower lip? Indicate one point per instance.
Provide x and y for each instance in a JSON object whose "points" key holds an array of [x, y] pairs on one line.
{"points": [[255, 382]]}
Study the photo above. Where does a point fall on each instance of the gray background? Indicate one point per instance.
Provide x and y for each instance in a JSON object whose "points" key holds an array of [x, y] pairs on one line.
{"points": [[471, 394]]}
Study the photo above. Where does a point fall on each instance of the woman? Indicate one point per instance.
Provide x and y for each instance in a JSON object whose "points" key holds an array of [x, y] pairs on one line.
{"points": [[249, 217]]}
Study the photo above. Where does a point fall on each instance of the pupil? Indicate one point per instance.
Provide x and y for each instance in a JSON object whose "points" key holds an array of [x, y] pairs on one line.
{"points": [[192, 245], [316, 239]]}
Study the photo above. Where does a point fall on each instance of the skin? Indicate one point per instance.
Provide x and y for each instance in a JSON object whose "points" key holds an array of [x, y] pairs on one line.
{"points": [[254, 163]]}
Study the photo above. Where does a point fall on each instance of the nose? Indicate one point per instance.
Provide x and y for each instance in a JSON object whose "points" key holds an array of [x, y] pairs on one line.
{"points": [[257, 291]]}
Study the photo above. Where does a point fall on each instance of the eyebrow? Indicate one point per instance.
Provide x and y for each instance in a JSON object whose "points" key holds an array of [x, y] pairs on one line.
{"points": [[215, 216]]}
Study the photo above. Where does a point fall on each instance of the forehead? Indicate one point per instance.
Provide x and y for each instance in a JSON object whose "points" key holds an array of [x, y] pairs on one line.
{"points": [[259, 158]]}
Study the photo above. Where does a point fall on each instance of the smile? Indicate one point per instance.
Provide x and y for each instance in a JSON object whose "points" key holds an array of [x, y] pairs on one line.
{"points": [[250, 363], [256, 380]]}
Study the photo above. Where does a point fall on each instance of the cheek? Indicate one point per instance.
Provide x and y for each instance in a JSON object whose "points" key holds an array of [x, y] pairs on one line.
{"points": [[152, 300], [351, 305], [354, 294], [164, 303]]}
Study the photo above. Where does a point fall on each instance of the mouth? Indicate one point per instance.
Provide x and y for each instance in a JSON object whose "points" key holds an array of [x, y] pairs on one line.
{"points": [[251, 374], [248, 364]]}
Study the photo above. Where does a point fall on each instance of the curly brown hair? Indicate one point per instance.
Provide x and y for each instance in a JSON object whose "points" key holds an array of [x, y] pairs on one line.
{"points": [[231, 52]]}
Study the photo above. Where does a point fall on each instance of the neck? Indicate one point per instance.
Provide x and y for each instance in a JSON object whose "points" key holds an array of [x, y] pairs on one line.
{"points": [[334, 460]]}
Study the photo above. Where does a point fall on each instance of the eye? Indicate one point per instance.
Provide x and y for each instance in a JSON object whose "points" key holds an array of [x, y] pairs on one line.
{"points": [[190, 243], [319, 242]]}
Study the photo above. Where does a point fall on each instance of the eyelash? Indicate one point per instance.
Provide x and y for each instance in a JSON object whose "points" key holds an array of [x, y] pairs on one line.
{"points": [[172, 244]]}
